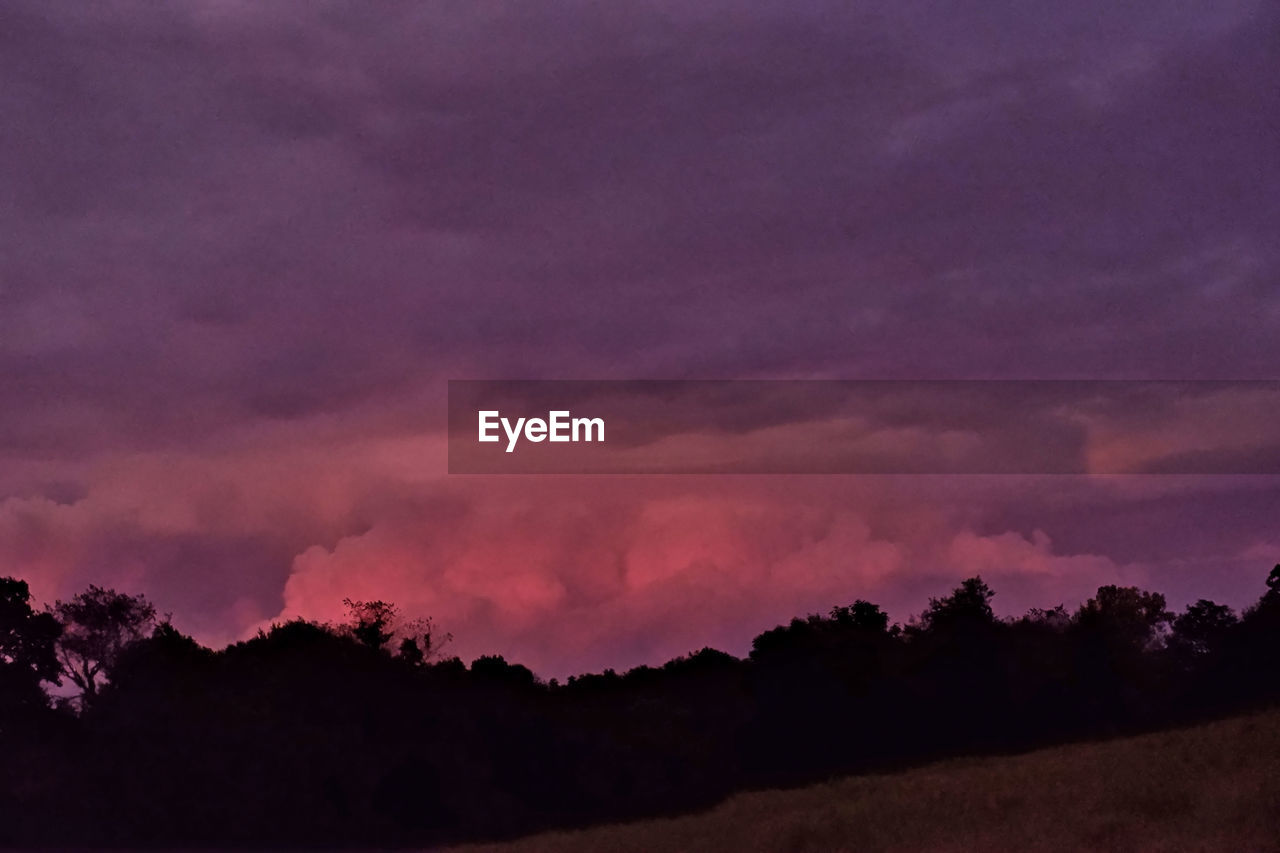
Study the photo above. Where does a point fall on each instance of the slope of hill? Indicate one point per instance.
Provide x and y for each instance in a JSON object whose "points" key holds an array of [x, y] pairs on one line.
{"points": [[1212, 787]]}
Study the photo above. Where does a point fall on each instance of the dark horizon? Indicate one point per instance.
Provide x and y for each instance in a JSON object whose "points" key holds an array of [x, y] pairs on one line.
{"points": [[361, 734], [442, 651]]}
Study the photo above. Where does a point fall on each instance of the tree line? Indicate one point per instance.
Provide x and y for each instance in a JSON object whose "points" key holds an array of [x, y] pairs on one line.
{"points": [[117, 729]]}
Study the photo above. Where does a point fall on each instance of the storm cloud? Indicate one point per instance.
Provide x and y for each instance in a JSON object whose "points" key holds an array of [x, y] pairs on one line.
{"points": [[244, 246]]}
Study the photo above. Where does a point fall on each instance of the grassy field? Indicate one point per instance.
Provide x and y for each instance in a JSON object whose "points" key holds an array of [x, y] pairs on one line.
{"points": [[1213, 787]]}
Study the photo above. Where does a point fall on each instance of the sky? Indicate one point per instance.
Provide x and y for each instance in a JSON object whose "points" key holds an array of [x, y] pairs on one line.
{"points": [[243, 247]]}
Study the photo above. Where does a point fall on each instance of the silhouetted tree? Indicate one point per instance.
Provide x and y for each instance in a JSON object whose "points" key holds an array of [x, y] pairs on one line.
{"points": [[862, 615], [1115, 637], [377, 623], [27, 638], [1255, 647], [1270, 602], [1054, 619], [410, 652], [97, 625], [27, 652], [372, 622], [956, 657], [1202, 627], [495, 668], [421, 641], [967, 608], [1126, 615]]}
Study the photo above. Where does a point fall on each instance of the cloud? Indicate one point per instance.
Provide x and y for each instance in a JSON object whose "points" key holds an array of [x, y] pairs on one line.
{"points": [[1027, 573], [570, 585], [247, 244]]}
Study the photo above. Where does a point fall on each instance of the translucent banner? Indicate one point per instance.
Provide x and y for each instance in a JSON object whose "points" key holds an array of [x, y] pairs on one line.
{"points": [[864, 427]]}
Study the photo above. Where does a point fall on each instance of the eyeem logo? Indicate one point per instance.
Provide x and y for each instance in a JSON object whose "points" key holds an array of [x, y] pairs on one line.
{"points": [[559, 426], [877, 427]]}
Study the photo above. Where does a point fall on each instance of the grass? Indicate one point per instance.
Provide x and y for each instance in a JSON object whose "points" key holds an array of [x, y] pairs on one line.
{"points": [[1212, 787]]}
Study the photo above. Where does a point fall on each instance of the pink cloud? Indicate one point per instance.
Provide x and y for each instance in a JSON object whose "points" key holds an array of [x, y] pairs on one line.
{"points": [[565, 573]]}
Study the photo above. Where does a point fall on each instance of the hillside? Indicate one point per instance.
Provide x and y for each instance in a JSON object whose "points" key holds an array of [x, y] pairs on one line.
{"points": [[1212, 787]]}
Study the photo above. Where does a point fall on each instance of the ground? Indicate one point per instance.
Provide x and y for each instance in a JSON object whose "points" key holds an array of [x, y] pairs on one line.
{"points": [[1210, 787]]}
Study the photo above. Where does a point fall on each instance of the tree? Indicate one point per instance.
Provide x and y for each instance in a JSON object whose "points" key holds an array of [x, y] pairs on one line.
{"points": [[377, 623], [1257, 646], [1203, 626], [968, 607], [1127, 615], [97, 625], [411, 653], [27, 638], [861, 615], [1266, 610], [27, 650], [420, 641], [494, 668], [372, 622], [1270, 600]]}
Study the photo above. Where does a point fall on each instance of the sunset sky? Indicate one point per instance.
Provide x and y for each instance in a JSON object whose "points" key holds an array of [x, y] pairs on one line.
{"points": [[245, 245]]}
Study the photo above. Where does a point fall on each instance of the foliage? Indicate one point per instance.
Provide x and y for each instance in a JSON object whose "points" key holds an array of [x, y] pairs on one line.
{"points": [[377, 623], [361, 735], [27, 638], [27, 653], [97, 625], [372, 622]]}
